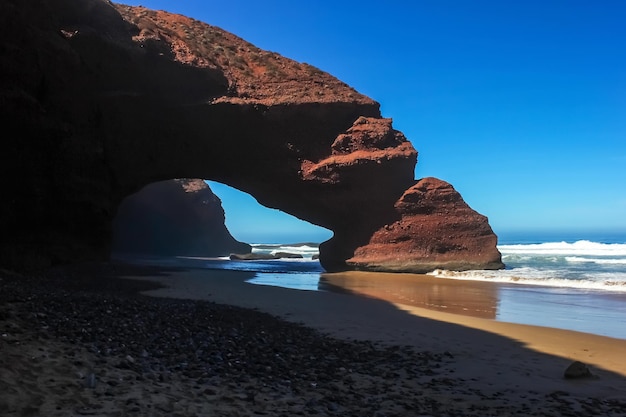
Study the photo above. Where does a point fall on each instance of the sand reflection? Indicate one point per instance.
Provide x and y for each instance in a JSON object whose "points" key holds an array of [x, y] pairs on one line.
{"points": [[471, 298]]}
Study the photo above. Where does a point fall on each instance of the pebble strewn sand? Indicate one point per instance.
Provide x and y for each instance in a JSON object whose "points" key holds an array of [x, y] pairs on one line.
{"points": [[82, 342]]}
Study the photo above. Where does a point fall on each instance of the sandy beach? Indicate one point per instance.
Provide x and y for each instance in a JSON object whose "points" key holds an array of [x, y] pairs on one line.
{"points": [[82, 341]]}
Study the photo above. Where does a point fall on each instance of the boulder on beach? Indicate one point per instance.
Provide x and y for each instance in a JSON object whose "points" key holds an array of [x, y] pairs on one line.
{"points": [[577, 370], [433, 228]]}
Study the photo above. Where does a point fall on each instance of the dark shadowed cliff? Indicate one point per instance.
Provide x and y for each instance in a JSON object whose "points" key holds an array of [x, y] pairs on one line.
{"points": [[174, 217], [100, 99]]}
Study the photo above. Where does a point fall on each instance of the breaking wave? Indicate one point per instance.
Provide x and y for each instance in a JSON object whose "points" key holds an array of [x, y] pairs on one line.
{"points": [[307, 250], [582, 264]]}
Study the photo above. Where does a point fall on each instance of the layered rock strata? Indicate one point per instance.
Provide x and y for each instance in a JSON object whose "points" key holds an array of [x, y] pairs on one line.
{"points": [[99, 99], [433, 229]]}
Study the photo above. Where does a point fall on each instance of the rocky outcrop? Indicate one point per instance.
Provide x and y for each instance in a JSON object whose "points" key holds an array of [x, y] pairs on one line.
{"points": [[98, 100], [174, 217], [433, 229]]}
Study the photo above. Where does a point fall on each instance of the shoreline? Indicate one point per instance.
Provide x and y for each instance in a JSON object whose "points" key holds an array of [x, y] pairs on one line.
{"points": [[390, 322], [596, 311], [285, 352], [553, 307]]}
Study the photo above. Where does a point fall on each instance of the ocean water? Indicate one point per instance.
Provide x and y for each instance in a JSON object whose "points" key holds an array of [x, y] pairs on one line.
{"points": [[580, 264], [294, 273], [575, 282]]}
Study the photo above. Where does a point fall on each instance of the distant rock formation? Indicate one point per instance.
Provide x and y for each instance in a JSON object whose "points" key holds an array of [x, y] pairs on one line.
{"points": [[288, 255], [98, 100], [264, 256], [252, 256], [175, 217]]}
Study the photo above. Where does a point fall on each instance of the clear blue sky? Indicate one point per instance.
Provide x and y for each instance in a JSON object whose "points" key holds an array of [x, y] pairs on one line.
{"points": [[521, 105]]}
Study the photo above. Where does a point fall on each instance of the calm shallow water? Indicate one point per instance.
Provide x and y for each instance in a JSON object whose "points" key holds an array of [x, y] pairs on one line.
{"points": [[596, 312], [590, 311]]}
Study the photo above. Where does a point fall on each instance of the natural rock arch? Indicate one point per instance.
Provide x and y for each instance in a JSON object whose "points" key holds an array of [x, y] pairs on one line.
{"points": [[107, 98]]}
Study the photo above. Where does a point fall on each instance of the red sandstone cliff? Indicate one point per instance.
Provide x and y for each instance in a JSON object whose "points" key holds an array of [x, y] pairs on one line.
{"points": [[100, 99], [434, 229]]}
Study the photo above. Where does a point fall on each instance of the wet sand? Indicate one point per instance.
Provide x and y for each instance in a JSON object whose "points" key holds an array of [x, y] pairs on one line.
{"points": [[469, 298], [473, 304], [167, 354], [590, 311]]}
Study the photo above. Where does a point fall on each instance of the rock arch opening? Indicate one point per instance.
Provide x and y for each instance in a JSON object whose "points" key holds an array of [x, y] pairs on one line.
{"points": [[198, 218], [251, 222]]}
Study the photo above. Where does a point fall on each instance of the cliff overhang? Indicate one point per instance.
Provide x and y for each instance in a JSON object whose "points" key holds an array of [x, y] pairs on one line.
{"points": [[100, 99]]}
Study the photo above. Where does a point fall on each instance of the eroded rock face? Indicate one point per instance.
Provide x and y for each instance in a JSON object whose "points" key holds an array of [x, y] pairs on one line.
{"points": [[174, 217], [433, 229], [98, 100]]}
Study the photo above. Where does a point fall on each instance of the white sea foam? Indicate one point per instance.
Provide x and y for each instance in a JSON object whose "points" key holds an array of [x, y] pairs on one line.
{"points": [[581, 247], [583, 264], [204, 258], [530, 276], [606, 261], [306, 250]]}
